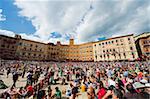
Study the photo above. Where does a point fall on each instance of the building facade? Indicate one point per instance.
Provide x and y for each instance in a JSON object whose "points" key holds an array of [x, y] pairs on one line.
{"points": [[22, 49], [112, 49], [117, 48], [143, 45], [72, 52], [86, 52], [8, 47]]}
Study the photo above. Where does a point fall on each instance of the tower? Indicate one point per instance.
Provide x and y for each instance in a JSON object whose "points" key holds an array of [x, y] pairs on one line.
{"points": [[71, 42]]}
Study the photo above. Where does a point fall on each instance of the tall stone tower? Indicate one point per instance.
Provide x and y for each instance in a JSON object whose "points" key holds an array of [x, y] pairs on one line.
{"points": [[71, 42]]}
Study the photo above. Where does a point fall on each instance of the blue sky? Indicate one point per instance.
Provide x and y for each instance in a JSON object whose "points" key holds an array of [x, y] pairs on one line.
{"points": [[83, 20], [14, 22]]}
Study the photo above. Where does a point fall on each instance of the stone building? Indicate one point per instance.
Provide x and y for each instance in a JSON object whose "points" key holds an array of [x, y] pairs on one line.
{"points": [[8, 47], [143, 45], [114, 49]]}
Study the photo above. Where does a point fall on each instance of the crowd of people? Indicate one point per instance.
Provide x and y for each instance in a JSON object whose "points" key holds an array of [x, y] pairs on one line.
{"points": [[83, 80]]}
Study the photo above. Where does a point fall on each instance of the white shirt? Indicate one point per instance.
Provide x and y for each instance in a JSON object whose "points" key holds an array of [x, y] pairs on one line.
{"points": [[111, 82]]}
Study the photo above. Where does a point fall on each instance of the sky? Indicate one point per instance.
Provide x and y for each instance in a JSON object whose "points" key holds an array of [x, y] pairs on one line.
{"points": [[83, 20]]}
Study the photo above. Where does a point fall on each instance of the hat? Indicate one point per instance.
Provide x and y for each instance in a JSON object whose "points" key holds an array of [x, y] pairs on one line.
{"points": [[138, 85]]}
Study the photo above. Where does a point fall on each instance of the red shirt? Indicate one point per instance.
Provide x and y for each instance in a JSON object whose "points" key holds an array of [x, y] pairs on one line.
{"points": [[101, 93], [30, 88]]}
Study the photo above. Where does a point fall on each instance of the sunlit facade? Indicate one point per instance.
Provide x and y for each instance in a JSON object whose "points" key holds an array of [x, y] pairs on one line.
{"points": [[117, 48], [112, 49]]}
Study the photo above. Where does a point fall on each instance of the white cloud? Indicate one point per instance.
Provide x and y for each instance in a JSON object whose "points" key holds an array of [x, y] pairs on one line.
{"points": [[23, 35], [7, 33], [85, 20], [32, 37], [48, 17], [2, 17]]}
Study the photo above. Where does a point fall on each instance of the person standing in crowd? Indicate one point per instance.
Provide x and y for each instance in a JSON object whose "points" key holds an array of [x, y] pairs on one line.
{"points": [[30, 90], [57, 93], [41, 94], [29, 78], [8, 71], [15, 78], [69, 89], [24, 71], [36, 76], [101, 91], [91, 92], [49, 91], [83, 87]]}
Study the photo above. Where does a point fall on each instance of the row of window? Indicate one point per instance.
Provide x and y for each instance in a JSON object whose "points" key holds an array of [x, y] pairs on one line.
{"points": [[113, 50], [66, 49], [7, 46], [30, 54], [33, 50], [32, 45], [72, 58], [107, 51], [146, 42], [25, 44], [115, 56], [53, 48], [86, 47], [73, 49], [9, 52], [116, 44], [9, 41], [108, 55], [112, 42]]}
